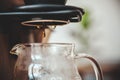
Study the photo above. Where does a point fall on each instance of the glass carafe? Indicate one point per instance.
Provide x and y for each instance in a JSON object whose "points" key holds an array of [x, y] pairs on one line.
{"points": [[49, 61]]}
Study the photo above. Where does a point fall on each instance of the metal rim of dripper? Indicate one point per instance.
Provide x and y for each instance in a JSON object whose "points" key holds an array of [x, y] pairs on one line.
{"points": [[44, 22]]}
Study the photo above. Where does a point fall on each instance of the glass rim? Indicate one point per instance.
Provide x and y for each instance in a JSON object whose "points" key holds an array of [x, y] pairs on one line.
{"points": [[64, 44]]}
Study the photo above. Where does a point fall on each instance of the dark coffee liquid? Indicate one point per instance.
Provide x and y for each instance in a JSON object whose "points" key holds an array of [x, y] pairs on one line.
{"points": [[21, 75]]}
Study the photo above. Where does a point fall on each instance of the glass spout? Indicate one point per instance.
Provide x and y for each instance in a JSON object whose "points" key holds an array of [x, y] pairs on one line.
{"points": [[17, 49]]}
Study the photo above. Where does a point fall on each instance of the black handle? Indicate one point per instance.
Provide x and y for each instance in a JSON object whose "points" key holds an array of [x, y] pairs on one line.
{"points": [[29, 2]]}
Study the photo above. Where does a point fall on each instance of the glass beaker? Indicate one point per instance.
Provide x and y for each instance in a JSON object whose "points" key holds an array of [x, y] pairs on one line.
{"points": [[49, 61]]}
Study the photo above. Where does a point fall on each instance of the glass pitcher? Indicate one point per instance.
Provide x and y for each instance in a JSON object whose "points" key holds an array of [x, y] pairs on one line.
{"points": [[49, 61]]}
